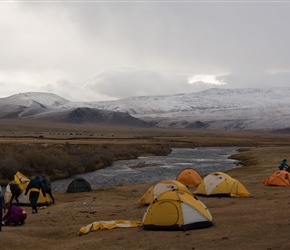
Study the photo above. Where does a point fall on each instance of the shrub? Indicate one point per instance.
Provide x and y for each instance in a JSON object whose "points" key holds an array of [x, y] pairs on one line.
{"points": [[8, 167]]}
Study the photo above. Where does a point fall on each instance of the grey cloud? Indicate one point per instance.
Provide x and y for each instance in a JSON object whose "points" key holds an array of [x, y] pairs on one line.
{"points": [[256, 79], [124, 82], [74, 40], [204, 37]]}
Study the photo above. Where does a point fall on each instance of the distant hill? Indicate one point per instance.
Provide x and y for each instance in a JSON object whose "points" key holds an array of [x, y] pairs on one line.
{"points": [[226, 109], [52, 108], [89, 115]]}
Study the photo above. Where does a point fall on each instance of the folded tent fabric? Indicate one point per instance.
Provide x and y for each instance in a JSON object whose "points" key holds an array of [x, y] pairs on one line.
{"points": [[99, 225]]}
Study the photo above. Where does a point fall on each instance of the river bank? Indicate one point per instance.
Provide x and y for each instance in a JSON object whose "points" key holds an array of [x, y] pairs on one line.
{"points": [[260, 222]]}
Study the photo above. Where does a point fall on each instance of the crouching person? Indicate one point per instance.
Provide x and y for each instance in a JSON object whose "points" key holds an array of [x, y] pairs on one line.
{"points": [[14, 216]]}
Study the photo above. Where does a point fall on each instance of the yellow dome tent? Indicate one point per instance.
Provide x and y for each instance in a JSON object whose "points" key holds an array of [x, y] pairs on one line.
{"points": [[176, 210], [159, 188], [221, 184]]}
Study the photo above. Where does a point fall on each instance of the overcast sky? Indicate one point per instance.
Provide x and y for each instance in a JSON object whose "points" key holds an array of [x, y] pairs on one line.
{"points": [[105, 50]]}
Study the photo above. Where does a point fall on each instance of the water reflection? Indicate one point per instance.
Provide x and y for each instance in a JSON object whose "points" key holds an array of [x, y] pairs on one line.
{"points": [[153, 169]]}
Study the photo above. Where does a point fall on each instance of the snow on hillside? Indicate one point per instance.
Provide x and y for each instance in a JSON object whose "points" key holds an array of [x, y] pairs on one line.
{"points": [[214, 108], [209, 103], [45, 100]]}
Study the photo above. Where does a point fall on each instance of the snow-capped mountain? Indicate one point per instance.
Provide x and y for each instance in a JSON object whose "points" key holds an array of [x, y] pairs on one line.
{"points": [[50, 107], [213, 108], [30, 99]]}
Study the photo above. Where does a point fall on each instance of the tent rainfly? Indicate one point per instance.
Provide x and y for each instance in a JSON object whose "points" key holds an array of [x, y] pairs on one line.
{"points": [[278, 178]]}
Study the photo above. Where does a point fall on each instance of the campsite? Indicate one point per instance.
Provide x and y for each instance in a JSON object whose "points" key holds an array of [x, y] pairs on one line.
{"points": [[259, 222]]}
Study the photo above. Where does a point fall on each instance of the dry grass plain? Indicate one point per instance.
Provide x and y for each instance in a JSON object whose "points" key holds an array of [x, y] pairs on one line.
{"points": [[260, 222]]}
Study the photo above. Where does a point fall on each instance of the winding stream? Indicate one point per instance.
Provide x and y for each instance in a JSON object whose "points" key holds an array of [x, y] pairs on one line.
{"points": [[152, 169]]}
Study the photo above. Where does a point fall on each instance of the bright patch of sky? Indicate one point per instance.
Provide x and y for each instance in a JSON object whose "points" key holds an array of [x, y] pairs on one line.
{"points": [[206, 79]]}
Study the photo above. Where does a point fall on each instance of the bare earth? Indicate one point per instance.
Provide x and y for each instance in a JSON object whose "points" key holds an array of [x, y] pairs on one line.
{"points": [[260, 222]]}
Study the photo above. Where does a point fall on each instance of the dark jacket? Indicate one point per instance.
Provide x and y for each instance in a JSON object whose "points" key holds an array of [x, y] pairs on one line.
{"points": [[2, 202], [15, 189], [36, 183], [46, 182], [283, 165]]}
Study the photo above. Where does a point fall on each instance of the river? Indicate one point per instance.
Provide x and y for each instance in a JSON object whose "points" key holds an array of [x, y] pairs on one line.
{"points": [[152, 169]]}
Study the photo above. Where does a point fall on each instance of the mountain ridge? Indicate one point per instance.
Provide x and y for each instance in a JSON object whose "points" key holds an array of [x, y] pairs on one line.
{"points": [[228, 109]]}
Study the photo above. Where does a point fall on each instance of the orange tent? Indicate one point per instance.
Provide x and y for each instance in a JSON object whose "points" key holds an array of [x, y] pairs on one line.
{"points": [[278, 178], [189, 177]]}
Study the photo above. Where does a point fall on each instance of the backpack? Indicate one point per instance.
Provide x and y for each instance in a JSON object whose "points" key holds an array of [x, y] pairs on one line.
{"points": [[15, 189]]}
